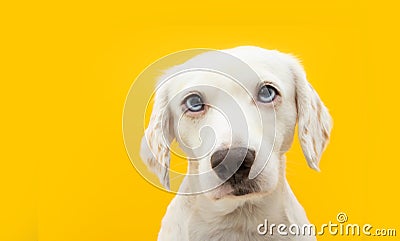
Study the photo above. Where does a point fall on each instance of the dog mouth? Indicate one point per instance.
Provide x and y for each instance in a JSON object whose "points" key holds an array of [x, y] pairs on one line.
{"points": [[241, 187], [234, 187]]}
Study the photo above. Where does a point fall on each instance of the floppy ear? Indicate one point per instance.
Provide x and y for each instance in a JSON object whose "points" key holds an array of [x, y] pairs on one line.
{"points": [[314, 121], [157, 138]]}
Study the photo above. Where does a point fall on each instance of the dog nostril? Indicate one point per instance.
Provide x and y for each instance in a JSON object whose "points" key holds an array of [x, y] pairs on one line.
{"points": [[218, 157], [227, 162]]}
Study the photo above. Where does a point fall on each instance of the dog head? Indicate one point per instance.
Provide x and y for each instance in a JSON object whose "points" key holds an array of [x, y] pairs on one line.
{"points": [[235, 120]]}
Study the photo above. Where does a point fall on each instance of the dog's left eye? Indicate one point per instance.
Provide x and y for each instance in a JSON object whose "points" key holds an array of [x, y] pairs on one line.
{"points": [[194, 103], [267, 94]]}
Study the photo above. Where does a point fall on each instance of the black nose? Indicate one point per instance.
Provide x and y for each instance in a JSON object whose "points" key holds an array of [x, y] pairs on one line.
{"points": [[233, 161]]}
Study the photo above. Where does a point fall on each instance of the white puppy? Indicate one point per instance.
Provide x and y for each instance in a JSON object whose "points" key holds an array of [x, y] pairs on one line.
{"points": [[234, 113]]}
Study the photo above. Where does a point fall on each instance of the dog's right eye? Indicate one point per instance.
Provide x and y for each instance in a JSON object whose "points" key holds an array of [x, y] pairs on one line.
{"points": [[194, 103]]}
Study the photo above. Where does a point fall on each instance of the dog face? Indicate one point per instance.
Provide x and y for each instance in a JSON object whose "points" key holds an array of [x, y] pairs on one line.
{"points": [[234, 124]]}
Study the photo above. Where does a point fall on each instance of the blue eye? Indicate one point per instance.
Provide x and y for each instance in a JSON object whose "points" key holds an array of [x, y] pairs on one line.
{"points": [[267, 94], [194, 103]]}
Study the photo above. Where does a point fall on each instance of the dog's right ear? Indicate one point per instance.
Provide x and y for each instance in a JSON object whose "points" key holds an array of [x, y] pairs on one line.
{"points": [[314, 120], [157, 138]]}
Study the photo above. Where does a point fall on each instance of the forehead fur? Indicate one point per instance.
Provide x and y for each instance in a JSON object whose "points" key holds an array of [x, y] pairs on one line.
{"points": [[267, 65]]}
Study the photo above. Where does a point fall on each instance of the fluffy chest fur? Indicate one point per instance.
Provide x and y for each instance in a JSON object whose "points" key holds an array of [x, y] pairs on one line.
{"points": [[241, 224], [195, 218]]}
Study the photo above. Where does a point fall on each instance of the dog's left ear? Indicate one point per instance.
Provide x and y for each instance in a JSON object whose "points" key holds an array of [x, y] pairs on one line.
{"points": [[314, 121], [157, 139]]}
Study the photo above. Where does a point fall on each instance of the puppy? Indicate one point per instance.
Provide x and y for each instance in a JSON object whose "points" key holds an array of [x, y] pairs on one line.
{"points": [[233, 112]]}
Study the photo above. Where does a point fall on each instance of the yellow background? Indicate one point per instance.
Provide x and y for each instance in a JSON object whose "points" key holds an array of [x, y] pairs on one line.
{"points": [[66, 67]]}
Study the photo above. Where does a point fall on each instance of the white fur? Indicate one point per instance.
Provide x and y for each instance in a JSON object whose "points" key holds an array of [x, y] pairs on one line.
{"points": [[215, 214]]}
